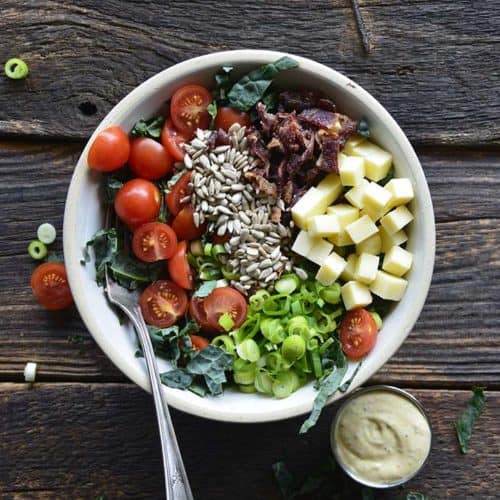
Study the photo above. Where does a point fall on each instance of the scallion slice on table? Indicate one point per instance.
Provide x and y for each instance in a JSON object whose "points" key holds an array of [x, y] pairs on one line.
{"points": [[37, 250], [16, 69], [46, 233], [30, 372]]}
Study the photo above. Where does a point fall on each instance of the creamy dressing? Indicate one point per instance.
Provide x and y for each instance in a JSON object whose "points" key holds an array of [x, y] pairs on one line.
{"points": [[381, 437]]}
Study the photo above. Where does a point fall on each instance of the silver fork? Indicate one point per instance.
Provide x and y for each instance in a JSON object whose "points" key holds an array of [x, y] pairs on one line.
{"points": [[176, 480]]}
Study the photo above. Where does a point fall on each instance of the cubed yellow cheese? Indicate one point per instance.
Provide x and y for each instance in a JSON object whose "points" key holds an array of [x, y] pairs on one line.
{"points": [[351, 169], [374, 215], [330, 188], [303, 243], [387, 286], [361, 229], [390, 240], [401, 191], [348, 272], [344, 212], [312, 202], [323, 225], [372, 245], [331, 268], [341, 239], [396, 219], [352, 143], [319, 251], [366, 268], [397, 261], [377, 160], [375, 197], [355, 294], [355, 195]]}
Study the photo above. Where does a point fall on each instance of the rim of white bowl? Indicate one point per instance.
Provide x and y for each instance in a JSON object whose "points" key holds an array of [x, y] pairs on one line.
{"points": [[72, 251]]}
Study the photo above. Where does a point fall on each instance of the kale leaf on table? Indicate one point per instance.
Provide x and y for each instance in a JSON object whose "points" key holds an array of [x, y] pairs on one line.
{"points": [[465, 423]]}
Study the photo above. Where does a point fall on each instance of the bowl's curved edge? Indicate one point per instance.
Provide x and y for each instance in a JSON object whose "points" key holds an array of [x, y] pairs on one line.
{"points": [[72, 252]]}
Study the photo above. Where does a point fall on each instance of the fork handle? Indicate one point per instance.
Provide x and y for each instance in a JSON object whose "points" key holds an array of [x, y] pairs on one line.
{"points": [[176, 480]]}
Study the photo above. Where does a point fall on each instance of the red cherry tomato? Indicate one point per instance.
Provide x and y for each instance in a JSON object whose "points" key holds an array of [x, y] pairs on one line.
{"points": [[225, 300], [358, 333], [228, 116], [50, 286], [137, 202], [163, 303], [154, 241], [197, 312], [149, 159], [178, 191], [178, 267], [172, 139], [188, 108], [110, 150], [198, 342], [184, 226]]}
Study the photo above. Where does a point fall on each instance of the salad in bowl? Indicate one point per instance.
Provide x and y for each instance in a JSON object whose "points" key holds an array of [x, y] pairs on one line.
{"points": [[275, 220]]}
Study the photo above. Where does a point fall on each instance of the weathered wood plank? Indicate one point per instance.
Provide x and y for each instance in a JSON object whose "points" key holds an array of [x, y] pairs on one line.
{"points": [[454, 343], [83, 440], [433, 64]]}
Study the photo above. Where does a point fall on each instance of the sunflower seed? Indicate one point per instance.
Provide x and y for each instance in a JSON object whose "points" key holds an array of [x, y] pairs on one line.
{"points": [[238, 187], [265, 273], [266, 263], [275, 253], [277, 266], [238, 286], [221, 229], [271, 277], [258, 234], [252, 251], [198, 143], [187, 161], [300, 273], [237, 226], [221, 149]]}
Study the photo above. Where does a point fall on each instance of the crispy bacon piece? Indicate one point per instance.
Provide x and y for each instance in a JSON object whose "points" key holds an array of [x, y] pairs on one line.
{"points": [[260, 183], [299, 100], [218, 138], [319, 118]]}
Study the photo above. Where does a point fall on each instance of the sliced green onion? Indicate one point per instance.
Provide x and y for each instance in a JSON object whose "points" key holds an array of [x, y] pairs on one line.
{"points": [[248, 329], [226, 322], [272, 330], [248, 350], [316, 364], [285, 383], [37, 250], [377, 318], [331, 294], [196, 248], [276, 306], [287, 284], [302, 366], [209, 271], [225, 342], [243, 372], [298, 326], [296, 307], [325, 323], [46, 233], [293, 348], [326, 344], [257, 299], [263, 382], [30, 372], [247, 388], [207, 249], [16, 69], [218, 250], [274, 361], [312, 344], [229, 275]]}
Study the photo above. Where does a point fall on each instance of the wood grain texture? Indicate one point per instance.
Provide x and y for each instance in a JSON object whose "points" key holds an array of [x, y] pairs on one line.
{"points": [[454, 343], [82, 440], [433, 64]]}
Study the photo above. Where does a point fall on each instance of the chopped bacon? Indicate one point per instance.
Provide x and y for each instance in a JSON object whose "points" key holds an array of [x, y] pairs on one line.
{"points": [[268, 120], [261, 184], [276, 215], [218, 138], [318, 118], [299, 100]]}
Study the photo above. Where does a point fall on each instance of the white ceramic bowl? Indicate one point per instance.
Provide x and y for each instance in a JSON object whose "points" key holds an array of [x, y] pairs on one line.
{"points": [[84, 215]]}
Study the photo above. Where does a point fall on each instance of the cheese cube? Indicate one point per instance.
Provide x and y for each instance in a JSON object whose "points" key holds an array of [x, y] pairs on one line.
{"points": [[401, 191], [303, 243], [355, 294], [361, 229], [341, 239], [387, 286], [344, 212], [351, 169], [323, 225], [375, 197], [319, 251], [377, 160], [396, 219], [366, 268], [352, 143], [372, 245], [331, 268], [330, 188], [355, 195], [397, 261], [348, 272], [311, 203], [391, 240]]}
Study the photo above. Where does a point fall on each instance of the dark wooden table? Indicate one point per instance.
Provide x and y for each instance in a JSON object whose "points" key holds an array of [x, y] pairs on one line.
{"points": [[83, 430]]}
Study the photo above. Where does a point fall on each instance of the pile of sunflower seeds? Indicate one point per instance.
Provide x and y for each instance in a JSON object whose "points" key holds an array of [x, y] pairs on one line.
{"points": [[223, 199]]}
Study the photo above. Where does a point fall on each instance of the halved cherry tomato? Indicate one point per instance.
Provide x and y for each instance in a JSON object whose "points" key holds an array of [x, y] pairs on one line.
{"points": [[178, 191], [50, 286], [197, 312], [178, 267], [163, 303], [110, 150], [149, 159], [358, 333], [188, 108], [172, 139], [225, 300], [154, 241], [184, 226], [137, 202], [198, 342], [227, 116]]}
